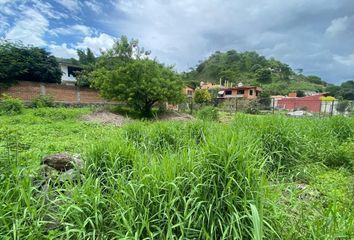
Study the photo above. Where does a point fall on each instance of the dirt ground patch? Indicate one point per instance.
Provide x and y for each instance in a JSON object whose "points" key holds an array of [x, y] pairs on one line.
{"points": [[175, 116], [106, 118]]}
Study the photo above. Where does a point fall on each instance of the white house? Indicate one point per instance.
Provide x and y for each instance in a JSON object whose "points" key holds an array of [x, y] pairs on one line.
{"points": [[69, 72]]}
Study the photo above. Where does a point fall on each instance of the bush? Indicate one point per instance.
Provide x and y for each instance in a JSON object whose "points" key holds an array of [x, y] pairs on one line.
{"points": [[10, 105], [202, 96], [208, 114], [43, 101], [252, 108]]}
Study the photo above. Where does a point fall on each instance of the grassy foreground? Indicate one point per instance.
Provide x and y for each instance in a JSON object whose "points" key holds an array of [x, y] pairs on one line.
{"points": [[257, 177]]}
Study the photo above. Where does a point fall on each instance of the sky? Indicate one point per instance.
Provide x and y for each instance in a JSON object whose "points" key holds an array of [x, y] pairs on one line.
{"points": [[314, 35]]}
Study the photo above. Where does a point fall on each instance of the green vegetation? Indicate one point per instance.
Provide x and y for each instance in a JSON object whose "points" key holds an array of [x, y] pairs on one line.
{"points": [[26, 63], [10, 105], [208, 114], [87, 61], [251, 68], [344, 91], [124, 73], [43, 101], [256, 177], [202, 96]]}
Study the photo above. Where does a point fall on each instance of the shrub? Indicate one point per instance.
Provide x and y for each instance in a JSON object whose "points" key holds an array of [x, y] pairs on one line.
{"points": [[10, 105], [43, 101], [202, 96], [252, 108], [208, 114]]}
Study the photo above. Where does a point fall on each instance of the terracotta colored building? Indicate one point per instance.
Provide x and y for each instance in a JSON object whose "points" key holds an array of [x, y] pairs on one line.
{"points": [[310, 103], [208, 86], [244, 92], [188, 91]]}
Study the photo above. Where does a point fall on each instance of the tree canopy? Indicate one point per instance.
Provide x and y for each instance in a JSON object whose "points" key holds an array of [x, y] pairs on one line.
{"points": [[202, 96], [123, 73], [252, 68], [87, 61], [27, 63], [344, 91]]}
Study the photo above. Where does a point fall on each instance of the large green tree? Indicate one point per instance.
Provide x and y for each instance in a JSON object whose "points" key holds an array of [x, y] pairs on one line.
{"points": [[19, 62], [125, 73], [140, 83]]}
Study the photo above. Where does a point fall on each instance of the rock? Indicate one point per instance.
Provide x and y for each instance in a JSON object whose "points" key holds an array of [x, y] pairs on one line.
{"points": [[71, 175], [55, 172], [301, 186], [63, 161]]}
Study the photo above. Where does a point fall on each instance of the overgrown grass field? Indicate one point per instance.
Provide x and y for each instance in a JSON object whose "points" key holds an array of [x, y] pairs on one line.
{"points": [[256, 177]]}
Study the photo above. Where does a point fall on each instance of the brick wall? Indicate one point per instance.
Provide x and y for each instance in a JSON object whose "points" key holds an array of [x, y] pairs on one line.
{"points": [[61, 93], [310, 103]]}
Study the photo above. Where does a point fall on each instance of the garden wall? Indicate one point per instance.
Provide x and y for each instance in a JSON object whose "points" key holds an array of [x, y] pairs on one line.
{"points": [[61, 93]]}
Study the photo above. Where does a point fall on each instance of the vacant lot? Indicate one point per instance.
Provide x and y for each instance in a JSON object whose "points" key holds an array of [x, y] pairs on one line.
{"points": [[256, 177]]}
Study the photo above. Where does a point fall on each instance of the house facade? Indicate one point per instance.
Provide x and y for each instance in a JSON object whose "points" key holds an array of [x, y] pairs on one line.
{"points": [[209, 86], [69, 72], [243, 92], [188, 91]]}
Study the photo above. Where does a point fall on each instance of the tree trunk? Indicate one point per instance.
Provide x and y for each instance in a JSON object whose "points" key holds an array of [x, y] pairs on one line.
{"points": [[146, 111]]}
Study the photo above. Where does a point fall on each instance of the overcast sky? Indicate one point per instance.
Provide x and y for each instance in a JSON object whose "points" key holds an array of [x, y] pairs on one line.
{"points": [[314, 35]]}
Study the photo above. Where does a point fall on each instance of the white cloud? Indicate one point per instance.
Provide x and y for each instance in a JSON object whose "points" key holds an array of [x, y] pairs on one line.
{"points": [[3, 24], [96, 44], [94, 6], [72, 5], [30, 29], [345, 60], [62, 51], [76, 29], [47, 9], [338, 25]]}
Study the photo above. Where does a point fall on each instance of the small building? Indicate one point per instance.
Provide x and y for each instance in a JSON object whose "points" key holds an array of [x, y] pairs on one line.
{"points": [[309, 103], [241, 91], [209, 85], [188, 91], [69, 71]]}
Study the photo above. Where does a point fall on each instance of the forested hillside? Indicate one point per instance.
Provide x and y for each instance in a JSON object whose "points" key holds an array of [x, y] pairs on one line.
{"points": [[251, 68]]}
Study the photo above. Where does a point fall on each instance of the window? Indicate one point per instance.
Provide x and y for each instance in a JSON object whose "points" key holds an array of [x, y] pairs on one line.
{"points": [[228, 92], [257, 93], [189, 92], [251, 92], [240, 92], [73, 70]]}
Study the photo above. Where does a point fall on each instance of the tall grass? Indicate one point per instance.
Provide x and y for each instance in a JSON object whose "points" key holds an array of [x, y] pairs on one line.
{"points": [[174, 180]]}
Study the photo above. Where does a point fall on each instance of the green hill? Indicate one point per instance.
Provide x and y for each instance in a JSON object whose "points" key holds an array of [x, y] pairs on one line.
{"points": [[272, 75]]}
